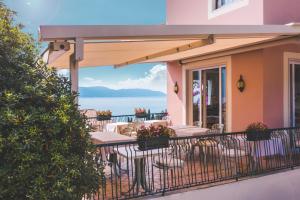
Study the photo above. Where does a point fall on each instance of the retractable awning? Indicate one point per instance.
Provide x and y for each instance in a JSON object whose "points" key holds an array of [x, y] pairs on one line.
{"points": [[123, 45]]}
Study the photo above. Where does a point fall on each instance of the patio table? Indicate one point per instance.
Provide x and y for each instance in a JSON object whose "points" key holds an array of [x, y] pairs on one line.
{"points": [[156, 122], [108, 137], [194, 131], [177, 127], [116, 127], [140, 180]]}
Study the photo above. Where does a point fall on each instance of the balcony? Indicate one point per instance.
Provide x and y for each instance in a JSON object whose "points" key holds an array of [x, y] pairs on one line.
{"points": [[210, 158]]}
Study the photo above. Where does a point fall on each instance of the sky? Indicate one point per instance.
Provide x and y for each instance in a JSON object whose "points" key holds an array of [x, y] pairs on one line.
{"points": [[33, 13]]}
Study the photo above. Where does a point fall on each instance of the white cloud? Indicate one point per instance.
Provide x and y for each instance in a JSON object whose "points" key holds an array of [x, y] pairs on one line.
{"points": [[63, 72], [28, 3], [155, 79]]}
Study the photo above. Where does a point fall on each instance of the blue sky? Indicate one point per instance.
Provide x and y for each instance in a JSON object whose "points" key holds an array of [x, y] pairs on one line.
{"points": [[33, 13]]}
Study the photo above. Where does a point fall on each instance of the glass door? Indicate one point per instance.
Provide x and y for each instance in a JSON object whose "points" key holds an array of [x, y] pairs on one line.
{"points": [[295, 94], [209, 96]]}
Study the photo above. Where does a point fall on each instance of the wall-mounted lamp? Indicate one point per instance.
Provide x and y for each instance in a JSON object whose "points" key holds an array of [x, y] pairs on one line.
{"points": [[176, 88], [241, 84]]}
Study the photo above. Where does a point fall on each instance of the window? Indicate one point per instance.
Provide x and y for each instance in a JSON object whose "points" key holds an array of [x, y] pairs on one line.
{"points": [[220, 7], [220, 3]]}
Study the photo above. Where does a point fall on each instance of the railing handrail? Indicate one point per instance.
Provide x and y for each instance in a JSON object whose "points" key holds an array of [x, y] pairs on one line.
{"points": [[193, 137], [132, 115], [130, 169]]}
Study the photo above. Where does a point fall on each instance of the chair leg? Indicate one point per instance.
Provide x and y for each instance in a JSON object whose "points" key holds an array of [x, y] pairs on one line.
{"points": [[172, 176], [164, 181]]}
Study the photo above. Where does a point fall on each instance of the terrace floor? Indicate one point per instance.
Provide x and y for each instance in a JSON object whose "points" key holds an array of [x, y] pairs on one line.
{"points": [[194, 172], [277, 186]]}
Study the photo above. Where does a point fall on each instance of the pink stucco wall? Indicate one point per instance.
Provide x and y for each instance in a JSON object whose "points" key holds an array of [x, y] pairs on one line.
{"points": [[281, 11], [256, 12], [174, 101], [196, 12]]}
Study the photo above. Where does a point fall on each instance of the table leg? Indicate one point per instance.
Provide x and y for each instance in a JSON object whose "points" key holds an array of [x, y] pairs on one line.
{"points": [[140, 176]]}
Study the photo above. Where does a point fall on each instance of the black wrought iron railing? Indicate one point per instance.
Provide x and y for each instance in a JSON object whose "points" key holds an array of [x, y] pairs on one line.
{"points": [[128, 172], [100, 123]]}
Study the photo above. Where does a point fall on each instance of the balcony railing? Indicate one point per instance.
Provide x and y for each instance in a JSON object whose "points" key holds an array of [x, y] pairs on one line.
{"points": [[99, 124], [126, 172]]}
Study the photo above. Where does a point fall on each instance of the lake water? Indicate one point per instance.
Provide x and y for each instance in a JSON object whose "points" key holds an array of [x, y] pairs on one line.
{"points": [[124, 105]]}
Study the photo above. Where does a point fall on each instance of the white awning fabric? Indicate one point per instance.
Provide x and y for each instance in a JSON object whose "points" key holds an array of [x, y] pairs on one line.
{"points": [[122, 45]]}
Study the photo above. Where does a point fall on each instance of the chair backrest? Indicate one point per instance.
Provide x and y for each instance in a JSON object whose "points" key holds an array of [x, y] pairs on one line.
{"points": [[128, 130], [90, 113], [197, 123], [168, 119], [216, 129]]}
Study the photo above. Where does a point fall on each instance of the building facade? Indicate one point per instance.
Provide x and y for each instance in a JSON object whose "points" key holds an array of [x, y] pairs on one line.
{"points": [[208, 84]]}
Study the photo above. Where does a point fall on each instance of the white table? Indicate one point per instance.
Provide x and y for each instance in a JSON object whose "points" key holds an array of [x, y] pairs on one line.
{"points": [[156, 122], [108, 153], [116, 127], [185, 132], [107, 137], [139, 157]]}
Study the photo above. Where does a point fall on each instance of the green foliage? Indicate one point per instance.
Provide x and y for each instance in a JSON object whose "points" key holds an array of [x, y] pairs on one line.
{"points": [[45, 148]]}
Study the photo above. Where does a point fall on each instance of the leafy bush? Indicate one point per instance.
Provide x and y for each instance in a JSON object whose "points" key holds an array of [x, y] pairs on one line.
{"points": [[152, 132], [256, 127], [45, 148]]}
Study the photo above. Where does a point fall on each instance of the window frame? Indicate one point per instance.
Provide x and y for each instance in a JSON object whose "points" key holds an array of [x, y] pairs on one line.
{"points": [[213, 11]]}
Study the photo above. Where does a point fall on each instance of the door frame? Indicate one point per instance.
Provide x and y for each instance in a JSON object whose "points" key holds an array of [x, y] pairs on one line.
{"points": [[186, 69], [288, 58], [200, 71], [292, 91]]}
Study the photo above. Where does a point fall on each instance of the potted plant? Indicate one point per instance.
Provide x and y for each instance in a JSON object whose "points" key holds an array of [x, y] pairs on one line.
{"points": [[104, 115], [154, 137], [258, 131], [140, 113]]}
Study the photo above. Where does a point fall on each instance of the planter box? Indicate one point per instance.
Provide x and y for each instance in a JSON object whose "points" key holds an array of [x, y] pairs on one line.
{"points": [[154, 143], [103, 117], [258, 136], [141, 115]]}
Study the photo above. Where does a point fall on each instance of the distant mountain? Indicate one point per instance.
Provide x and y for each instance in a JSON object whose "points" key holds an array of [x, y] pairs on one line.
{"points": [[107, 92]]}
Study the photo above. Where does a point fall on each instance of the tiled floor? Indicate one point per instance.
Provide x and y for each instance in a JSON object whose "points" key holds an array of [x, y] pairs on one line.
{"points": [[194, 172]]}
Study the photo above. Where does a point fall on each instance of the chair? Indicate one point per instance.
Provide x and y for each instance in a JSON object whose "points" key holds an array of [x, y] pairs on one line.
{"points": [[216, 129], [92, 121], [129, 130], [168, 119], [208, 143], [197, 123], [168, 162], [229, 147]]}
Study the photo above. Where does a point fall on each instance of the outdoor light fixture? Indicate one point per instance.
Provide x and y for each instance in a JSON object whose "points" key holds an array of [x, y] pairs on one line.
{"points": [[176, 89], [241, 84]]}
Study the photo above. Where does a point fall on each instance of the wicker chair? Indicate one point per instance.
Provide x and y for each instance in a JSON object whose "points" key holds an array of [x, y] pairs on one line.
{"points": [[129, 130], [216, 129], [168, 162]]}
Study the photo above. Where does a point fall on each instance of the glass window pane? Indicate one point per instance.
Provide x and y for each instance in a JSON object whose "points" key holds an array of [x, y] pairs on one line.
{"points": [[210, 97], [223, 98], [196, 98], [297, 94]]}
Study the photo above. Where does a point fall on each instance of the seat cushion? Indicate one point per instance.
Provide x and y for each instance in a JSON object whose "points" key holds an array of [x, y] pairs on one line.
{"points": [[169, 163]]}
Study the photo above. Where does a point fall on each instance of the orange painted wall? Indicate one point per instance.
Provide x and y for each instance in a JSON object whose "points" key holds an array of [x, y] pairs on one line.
{"points": [[273, 84], [247, 106], [174, 101], [262, 99]]}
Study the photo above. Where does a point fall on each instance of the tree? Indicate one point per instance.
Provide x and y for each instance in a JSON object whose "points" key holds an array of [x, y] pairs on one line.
{"points": [[45, 148]]}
